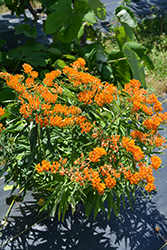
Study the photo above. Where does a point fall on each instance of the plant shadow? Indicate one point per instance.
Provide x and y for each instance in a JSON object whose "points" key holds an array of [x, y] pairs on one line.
{"points": [[132, 230]]}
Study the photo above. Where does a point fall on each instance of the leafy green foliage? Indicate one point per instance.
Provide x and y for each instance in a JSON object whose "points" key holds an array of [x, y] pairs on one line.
{"points": [[71, 25]]}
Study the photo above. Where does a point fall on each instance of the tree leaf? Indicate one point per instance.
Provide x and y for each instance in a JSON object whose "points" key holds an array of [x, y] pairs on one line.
{"points": [[22, 28], [120, 36], [135, 65], [98, 8], [56, 19], [126, 16], [48, 3], [55, 51], [2, 42], [70, 30], [37, 59], [84, 10]]}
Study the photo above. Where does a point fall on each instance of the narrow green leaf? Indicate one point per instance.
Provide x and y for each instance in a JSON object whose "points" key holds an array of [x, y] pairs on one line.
{"points": [[123, 201], [128, 195]]}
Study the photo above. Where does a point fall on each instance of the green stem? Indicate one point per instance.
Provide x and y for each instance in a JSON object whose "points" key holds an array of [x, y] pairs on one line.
{"points": [[10, 207]]}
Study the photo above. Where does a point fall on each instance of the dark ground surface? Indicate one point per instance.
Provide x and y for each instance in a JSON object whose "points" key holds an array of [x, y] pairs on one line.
{"points": [[132, 230]]}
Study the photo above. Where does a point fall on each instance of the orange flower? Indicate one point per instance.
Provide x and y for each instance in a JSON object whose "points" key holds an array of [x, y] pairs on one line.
{"points": [[2, 111], [130, 146], [96, 154], [110, 182], [1, 127], [149, 187], [79, 63], [27, 68], [155, 162]]}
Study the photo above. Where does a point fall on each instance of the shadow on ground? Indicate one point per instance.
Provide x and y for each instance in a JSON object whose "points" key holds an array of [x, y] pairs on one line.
{"points": [[130, 230]]}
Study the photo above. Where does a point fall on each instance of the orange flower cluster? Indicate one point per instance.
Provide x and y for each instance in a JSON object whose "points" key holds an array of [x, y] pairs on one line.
{"points": [[94, 89], [79, 64], [145, 173], [49, 77], [153, 138], [54, 167], [155, 120], [106, 95], [140, 97], [39, 100], [2, 111], [130, 146], [96, 154], [155, 162], [28, 70]]}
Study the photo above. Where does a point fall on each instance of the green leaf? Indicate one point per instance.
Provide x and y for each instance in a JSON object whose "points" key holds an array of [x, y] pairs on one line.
{"points": [[2, 2], [127, 19], [84, 10], [35, 46], [123, 201], [55, 51], [100, 59], [128, 195], [62, 15], [70, 30], [138, 48], [90, 17], [59, 63], [119, 62], [125, 16], [98, 8], [25, 50], [135, 65], [111, 203], [147, 62], [87, 203], [97, 205], [107, 72], [120, 36], [22, 28], [70, 57], [2, 42], [31, 33], [53, 22], [37, 59], [48, 3], [14, 54]]}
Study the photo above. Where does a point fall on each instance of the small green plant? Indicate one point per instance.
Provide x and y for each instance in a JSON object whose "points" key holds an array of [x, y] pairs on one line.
{"points": [[151, 32], [72, 138]]}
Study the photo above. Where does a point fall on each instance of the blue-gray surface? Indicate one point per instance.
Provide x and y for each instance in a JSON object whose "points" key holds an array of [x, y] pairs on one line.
{"points": [[131, 230]]}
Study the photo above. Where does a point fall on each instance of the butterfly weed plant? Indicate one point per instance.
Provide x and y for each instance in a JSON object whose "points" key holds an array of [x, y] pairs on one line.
{"points": [[72, 138]]}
